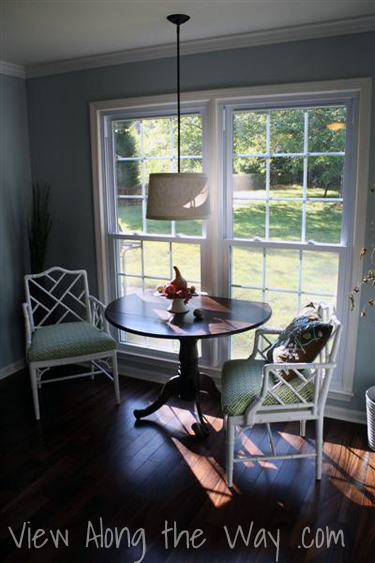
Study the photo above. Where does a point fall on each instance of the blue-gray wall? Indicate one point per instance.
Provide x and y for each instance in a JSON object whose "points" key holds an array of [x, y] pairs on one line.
{"points": [[60, 131], [15, 178]]}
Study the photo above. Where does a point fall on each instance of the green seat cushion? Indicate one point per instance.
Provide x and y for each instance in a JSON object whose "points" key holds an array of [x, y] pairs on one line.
{"points": [[68, 340], [242, 383]]}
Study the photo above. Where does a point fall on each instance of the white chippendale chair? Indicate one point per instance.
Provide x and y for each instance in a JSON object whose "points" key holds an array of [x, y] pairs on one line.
{"points": [[65, 325], [255, 391]]}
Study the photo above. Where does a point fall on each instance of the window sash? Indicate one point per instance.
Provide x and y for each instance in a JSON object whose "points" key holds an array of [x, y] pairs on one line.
{"points": [[228, 112], [229, 244], [142, 114]]}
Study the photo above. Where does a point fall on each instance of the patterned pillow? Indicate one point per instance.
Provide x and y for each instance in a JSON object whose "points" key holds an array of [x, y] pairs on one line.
{"points": [[302, 339]]}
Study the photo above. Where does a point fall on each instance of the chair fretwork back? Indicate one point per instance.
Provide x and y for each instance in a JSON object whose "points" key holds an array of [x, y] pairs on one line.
{"points": [[304, 378], [264, 346], [56, 296]]}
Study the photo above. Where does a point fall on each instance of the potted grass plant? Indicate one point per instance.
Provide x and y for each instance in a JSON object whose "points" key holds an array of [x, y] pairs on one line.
{"points": [[39, 226]]}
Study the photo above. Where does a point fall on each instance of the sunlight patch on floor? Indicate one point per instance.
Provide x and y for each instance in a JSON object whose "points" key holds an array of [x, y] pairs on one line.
{"points": [[296, 441], [359, 486], [208, 473], [173, 419], [370, 479], [249, 447], [184, 418], [354, 491]]}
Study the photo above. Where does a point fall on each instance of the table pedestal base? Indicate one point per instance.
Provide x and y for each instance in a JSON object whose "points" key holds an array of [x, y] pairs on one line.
{"points": [[186, 385]]}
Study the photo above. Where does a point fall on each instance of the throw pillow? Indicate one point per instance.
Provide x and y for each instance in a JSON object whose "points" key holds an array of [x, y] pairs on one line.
{"points": [[302, 339]]}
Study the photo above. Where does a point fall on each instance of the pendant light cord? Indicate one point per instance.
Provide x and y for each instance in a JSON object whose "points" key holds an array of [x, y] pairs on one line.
{"points": [[178, 102], [178, 20]]}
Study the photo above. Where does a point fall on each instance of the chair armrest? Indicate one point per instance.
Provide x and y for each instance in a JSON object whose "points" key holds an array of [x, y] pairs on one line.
{"points": [[269, 330], [262, 332], [28, 326], [284, 366], [97, 309]]}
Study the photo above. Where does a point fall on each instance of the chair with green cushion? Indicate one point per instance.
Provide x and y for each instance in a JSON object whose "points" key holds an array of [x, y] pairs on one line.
{"points": [[66, 325], [265, 389]]}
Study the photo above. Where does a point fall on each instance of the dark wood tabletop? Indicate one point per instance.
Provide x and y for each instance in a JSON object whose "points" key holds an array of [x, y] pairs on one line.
{"points": [[146, 313]]}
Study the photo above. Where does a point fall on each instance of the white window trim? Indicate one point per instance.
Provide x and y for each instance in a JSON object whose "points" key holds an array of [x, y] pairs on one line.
{"points": [[358, 88]]}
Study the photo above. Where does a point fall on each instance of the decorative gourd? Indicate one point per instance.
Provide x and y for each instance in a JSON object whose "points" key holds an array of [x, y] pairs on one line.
{"points": [[177, 291], [179, 282]]}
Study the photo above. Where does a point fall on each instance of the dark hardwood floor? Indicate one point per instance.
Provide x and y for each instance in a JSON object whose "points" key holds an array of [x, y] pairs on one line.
{"points": [[86, 459]]}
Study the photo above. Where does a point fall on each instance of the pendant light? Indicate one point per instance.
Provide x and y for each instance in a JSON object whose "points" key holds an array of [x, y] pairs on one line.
{"points": [[178, 195]]}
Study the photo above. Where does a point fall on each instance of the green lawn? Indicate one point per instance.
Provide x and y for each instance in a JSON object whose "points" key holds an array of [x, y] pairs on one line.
{"points": [[319, 269], [322, 225], [285, 217]]}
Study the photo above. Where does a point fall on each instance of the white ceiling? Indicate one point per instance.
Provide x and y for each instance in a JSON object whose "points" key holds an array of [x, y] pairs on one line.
{"points": [[40, 31]]}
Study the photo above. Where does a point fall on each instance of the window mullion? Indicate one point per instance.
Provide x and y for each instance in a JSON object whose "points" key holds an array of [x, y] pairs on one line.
{"points": [[142, 265], [264, 275], [287, 154], [268, 176], [110, 158], [172, 161], [305, 164], [300, 278], [228, 171], [171, 261], [143, 179], [288, 245]]}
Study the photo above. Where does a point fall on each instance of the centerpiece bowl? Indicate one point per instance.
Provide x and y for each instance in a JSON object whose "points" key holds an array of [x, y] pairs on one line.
{"points": [[178, 292]]}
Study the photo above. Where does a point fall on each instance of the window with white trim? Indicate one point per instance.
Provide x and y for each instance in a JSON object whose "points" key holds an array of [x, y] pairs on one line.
{"points": [[285, 188], [143, 251], [288, 169]]}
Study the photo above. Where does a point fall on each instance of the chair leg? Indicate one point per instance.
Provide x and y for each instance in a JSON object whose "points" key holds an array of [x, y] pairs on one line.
{"points": [[302, 428], [115, 377], [319, 447], [34, 390], [92, 369], [270, 438], [230, 451]]}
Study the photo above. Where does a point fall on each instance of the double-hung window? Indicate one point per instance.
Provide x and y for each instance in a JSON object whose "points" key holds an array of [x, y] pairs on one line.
{"points": [[285, 187], [142, 252], [288, 169]]}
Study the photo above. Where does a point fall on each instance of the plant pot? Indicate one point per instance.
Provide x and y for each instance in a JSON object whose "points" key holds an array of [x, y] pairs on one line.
{"points": [[370, 410], [177, 306]]}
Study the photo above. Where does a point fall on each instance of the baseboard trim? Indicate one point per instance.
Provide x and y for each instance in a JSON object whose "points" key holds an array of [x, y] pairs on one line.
{"points": [[6, 371], [340, 395], [347, 415]]}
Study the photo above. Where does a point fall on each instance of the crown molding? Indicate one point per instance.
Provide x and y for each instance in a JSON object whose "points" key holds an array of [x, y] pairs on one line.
{"points": [[251, 39], [12, 69]]}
